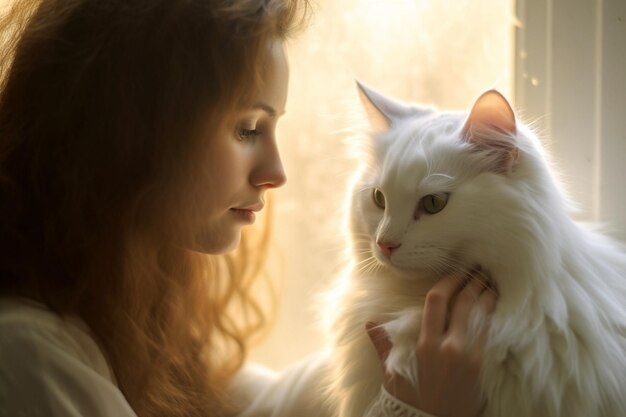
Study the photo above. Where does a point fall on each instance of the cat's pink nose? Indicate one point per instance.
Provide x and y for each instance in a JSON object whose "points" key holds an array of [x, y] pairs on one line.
{"points": [[387, 247]]}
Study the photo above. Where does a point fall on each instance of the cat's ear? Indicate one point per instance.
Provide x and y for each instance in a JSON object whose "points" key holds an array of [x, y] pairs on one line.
{"points": [[382, 111], [491, 126]]}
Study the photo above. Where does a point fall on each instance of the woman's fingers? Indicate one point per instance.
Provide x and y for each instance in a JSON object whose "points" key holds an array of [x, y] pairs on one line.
{"points": [[394, 384], [449, 358], [469, 296], [488, 300], [380, 339], [436, 306], [487, 303]]}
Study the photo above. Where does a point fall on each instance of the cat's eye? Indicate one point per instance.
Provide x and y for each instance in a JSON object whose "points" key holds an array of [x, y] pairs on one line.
{"points": [[434, 203], [379, 198]]}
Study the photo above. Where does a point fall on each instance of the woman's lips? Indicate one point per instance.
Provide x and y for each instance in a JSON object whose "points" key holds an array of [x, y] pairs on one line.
{"points": [[244, 214]]}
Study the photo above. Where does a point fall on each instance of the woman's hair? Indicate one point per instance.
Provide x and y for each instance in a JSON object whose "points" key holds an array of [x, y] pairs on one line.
{"points": [[104, 106]]}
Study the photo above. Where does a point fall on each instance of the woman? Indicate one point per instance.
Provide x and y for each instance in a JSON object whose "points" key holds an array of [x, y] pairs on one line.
{"points": [[136, 140]]}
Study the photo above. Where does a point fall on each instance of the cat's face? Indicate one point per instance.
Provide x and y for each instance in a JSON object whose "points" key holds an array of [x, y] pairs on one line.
{"points": [[429, 198]]}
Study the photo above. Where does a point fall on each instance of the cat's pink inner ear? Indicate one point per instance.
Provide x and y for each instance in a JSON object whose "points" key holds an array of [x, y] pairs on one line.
{"points": [[491, 126], [491, 111]]}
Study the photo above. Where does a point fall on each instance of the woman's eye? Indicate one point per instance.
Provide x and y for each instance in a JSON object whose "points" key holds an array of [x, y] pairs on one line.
{"points": [[434, 203], [247, 134], [379, 198]]}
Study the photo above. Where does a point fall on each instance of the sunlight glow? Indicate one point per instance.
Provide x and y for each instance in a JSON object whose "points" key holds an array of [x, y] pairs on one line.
{"points": [[444, 53]]}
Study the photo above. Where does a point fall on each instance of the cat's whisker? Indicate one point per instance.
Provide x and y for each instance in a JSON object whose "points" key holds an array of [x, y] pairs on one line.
{"points": [[360, 249], [361, 190], [359, 262], [364, 260], [355, 235], [370, 267], [470, 273], [366, 264]]}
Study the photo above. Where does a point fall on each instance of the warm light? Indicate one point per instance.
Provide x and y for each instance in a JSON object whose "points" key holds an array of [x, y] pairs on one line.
{"points": [[443, 52]]}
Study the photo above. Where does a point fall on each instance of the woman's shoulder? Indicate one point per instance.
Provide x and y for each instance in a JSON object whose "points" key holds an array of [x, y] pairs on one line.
{"points": [[26, 325], [51, 365]]}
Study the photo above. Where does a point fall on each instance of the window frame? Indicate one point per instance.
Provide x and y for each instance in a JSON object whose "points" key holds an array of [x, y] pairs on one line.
{"points": [[569, 66]]}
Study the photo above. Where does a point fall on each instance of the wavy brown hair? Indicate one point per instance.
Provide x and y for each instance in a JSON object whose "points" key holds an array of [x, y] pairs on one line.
{"points": [[102, 108]]}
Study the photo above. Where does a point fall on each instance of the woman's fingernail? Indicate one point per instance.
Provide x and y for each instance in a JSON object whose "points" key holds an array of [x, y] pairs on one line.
{"points": [[370, 325]]}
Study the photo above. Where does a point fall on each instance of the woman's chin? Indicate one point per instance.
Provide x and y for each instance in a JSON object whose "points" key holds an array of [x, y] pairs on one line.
{"points": [[216, 244]]}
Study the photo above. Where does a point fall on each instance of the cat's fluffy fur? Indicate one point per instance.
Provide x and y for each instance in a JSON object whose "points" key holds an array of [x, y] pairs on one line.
{"points": [[557, 341]]}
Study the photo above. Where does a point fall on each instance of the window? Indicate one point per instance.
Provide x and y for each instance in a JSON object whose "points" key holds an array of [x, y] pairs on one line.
{"points": [[570, 75]]}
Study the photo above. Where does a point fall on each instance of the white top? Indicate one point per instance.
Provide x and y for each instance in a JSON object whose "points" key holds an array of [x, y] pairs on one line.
{"points": [[51, 366]]}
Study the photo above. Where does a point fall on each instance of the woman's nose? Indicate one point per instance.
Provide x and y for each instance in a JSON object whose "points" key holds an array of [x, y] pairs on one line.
{"points": [[269, 172]]}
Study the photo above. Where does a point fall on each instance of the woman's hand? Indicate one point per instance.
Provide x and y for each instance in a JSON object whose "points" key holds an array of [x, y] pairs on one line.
{"points": [[448, 359]]}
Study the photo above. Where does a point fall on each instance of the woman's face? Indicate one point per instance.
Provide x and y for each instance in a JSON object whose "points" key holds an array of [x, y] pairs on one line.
{"points": [[244, 162]]}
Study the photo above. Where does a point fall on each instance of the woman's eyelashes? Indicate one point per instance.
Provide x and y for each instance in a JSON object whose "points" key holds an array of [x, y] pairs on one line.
{"points": [[249, 129], [246, 134]]}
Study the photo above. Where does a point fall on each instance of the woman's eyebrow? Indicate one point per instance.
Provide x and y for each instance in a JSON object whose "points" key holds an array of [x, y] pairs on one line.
{"points": [[267, 109]]}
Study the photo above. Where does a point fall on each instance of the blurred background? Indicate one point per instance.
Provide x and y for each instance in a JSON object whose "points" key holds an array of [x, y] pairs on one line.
{"points": [[561, 63]]}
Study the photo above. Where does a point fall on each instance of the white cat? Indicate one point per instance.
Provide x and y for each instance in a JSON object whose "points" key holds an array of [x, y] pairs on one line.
{"points": [[442, 191]]}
